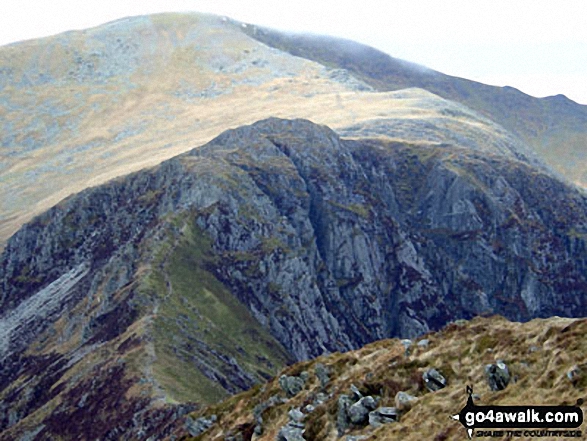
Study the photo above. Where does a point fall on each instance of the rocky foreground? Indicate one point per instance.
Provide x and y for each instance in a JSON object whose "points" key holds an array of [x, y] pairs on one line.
{"points": [[407, 389]]}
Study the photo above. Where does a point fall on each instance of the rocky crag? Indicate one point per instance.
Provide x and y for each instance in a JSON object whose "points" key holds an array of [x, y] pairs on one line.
{"points": [[275, 242]]}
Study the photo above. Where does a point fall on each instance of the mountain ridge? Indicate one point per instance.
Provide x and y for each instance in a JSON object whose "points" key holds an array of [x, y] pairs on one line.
{"points": [[95, 101], [275, 242], [547, 124]]}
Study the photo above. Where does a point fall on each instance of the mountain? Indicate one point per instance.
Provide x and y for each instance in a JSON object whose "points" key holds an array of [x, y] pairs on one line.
{"points": [[555, 127], [84, 107], [275, 242], [386, 377]]}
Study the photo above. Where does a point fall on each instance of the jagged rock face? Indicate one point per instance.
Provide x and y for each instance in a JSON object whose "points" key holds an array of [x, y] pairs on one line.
{"points": [[329, 244]]}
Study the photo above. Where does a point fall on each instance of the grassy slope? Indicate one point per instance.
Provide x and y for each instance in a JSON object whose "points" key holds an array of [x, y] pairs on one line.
{"points": [[539, 355], [81, 108], [196, 311], [555, 126]]}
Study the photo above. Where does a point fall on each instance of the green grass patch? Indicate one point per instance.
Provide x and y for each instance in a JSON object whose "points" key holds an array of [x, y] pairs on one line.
{"points": [[200, 315]]}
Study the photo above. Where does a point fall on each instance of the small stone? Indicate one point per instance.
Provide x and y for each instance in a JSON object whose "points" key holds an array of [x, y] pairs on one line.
{"points": [[342, 418], [321, 398], [406, 342], [291, 385], [358, 413], [291, 433], [574, 374]]}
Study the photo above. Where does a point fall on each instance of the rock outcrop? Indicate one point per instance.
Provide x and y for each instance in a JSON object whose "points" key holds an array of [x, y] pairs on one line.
{"points": [[303, 242]]}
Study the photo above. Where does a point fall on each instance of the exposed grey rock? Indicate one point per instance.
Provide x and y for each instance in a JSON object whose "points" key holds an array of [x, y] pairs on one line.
{"points": [[497, 375], [294, 429], [407, 344], [357, 395], [290, 432], [342, 416], [329, 243], [322, 374], [433, 380], [321, 398], [296, 415], [358, 412], [423, 343], [575, 374], [383, 415], [200, 425], [404, 401], [258, 410], [291, 385]]}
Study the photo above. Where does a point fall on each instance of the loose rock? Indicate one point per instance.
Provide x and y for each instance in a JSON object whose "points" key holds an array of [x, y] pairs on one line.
{"points": [[291, 385], [498, 375], [383, 415], [433, 380], [404, 401]]}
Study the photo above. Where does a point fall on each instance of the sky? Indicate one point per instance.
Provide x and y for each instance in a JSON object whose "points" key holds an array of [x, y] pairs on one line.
{"points": [[537, 46]]}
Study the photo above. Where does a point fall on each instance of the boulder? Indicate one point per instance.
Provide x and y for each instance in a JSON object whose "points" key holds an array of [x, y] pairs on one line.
{"points": [[357, 395], [497, 375], [383, 415], [322, 374], [342, 418], [291, 432], [296, 415], [404, 401], [433, 380], [291, 385], [423, 343]]}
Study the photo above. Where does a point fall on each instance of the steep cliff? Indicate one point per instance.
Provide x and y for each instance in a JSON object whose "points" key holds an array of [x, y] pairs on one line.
{"points": [[275, 242]]}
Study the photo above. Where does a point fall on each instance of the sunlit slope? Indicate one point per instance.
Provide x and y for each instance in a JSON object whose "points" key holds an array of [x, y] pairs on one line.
{"points": [[555, 127], [80, 108]]}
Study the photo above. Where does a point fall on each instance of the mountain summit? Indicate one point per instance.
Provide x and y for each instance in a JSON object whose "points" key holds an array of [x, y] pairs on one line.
{"points": [[84, 107]]}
